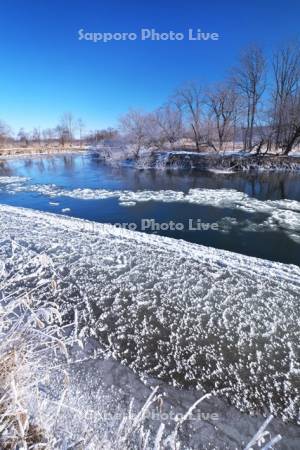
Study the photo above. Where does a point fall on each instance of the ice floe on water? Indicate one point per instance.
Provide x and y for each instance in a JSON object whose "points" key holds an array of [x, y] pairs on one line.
{"points": [[185, 314], [283, 215], [221, 171], [12, 180]]}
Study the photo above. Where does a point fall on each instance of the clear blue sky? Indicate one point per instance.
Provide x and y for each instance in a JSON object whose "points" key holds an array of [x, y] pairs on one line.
{"points": [[46, 70]]}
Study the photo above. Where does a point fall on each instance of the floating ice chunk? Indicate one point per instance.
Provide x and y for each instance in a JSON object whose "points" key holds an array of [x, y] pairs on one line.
{"points": [[12, 180], [222, 171], [283, 214], [127, 203], [65, 210]]}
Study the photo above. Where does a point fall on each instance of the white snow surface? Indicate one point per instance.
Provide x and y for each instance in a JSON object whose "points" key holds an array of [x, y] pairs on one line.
{"points": [[185, 314], [105, 389]]}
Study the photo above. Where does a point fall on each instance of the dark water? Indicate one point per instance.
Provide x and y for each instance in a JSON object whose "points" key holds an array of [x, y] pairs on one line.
{"points": [[80, 171]]}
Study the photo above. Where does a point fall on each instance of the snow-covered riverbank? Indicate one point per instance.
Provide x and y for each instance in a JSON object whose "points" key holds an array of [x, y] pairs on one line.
{"points": [[16, 152], [225, 162], [182, 313]]}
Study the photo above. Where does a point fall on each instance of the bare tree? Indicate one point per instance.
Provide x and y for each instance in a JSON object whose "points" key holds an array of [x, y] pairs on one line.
{"points": [[36, 136], [170, 123], [249, 79], [189, 99], [49, 135], [5, 133], [81, 127], [286, 70], [23, 137], [67, 127], [62, 134], [139, 128], [222, 102], [105, 134], [292, 124]]}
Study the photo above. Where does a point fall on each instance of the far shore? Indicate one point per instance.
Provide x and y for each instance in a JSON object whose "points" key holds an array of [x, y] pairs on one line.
{"points": [[223, 162], [23, 151]]}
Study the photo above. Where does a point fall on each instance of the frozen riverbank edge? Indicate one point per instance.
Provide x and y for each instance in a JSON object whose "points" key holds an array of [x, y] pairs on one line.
{"points": [[227, 162], [224, 162], [125, 284]]}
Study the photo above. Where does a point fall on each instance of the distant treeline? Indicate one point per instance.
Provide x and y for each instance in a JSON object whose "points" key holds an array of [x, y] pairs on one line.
{"points": [[256, 108]]}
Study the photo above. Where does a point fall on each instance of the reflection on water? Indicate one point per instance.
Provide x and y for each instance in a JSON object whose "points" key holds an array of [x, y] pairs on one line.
{"points": [[240, 231]]}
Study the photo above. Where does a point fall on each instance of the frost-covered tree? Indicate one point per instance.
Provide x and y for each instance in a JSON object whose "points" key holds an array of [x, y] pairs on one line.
{"points": [[170, 123], [140, 129]]}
